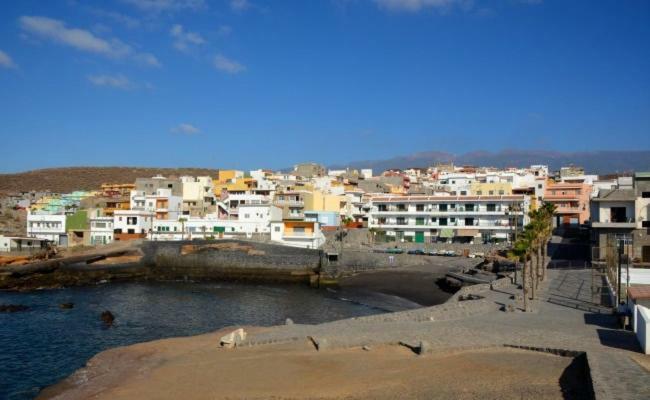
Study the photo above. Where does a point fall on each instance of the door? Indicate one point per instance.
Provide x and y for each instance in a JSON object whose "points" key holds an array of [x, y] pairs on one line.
{"points": [[419, 237], [646, 254]]}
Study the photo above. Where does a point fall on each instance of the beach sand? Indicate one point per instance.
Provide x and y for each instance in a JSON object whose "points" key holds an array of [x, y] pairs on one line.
{"points": [[197, 368]]}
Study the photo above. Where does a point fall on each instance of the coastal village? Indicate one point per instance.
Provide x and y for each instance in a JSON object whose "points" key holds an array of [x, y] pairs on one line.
{"points": [[415, 207], [578, 243]]}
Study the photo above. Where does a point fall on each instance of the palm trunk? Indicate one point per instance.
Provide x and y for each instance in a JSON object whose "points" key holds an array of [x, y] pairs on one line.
{"points": [[532, 275], [524, 283], [544, 262], [540, 263]]}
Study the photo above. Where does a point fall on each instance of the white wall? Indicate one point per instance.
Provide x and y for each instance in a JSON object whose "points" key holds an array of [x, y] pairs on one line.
{"points": [[642, 327], [143, 222], [46, 226]]}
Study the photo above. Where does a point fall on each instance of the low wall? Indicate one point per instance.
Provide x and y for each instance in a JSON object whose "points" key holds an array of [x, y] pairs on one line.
{"points": [[642, 327]]}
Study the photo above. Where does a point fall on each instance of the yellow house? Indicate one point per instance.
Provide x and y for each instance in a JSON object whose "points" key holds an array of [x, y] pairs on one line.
{"points": [[315, 200], [226, 175], [491, 189]]}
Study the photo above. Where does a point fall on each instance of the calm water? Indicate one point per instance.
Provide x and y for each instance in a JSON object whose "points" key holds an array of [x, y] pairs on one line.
{"points": [[41, 346]]}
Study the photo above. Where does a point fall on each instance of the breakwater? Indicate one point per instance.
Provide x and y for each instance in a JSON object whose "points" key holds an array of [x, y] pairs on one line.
{"points": [[212, 260]]}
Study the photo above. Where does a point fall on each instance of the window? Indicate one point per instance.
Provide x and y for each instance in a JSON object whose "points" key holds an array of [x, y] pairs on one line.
{"points": [[491, 192], [419, 221], [645, 195], [443, 222], [501, 192], [463, 193], [442, 207], [382, 207], [419, 207], [491, 207], [479, 192], [452, 220], [469, 207], [469, 221], [132, 220]]}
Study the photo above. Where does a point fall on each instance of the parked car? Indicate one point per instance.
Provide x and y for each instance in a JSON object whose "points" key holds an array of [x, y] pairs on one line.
{"points": [[394, 250], [418, 252]]}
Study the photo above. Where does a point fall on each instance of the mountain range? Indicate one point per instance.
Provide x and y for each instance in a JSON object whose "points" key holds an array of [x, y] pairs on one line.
{"points": [[594, 162]]}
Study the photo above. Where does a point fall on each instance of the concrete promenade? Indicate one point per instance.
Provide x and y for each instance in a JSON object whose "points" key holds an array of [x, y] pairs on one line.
{"points": [[566, 316]]}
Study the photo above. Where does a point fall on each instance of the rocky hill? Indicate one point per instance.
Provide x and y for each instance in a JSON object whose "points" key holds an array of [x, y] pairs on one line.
{"points": [[87, 178]]}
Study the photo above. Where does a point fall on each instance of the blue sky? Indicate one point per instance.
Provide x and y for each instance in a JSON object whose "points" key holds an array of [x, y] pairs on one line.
{"points": [[254, 83]]}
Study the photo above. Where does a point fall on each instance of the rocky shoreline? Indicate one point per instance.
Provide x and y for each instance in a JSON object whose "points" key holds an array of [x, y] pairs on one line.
{"points": [[421, 353]]}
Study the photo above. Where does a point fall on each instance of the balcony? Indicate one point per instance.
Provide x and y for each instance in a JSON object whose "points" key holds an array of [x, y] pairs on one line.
{"points": [[624, 223]]}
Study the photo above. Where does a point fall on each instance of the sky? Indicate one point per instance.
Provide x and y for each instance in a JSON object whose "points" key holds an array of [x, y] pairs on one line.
{"points": [[265, 84]]}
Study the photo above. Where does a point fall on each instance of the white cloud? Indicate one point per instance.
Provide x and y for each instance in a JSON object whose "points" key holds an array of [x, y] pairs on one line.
{"points": [[6, 61], [185, 128], [166, 5], [183, 40], [239, 5], [224, 30], [114, 81], [417, 5], [80, 39], [147, 59], [123, 19], [227, 65]]}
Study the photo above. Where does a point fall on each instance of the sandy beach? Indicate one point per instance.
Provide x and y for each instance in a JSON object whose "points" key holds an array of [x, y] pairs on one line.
{"points": [[197, 368]]}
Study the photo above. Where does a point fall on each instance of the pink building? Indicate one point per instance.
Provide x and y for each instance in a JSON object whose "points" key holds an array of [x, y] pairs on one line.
{"points": [[571, 201]]}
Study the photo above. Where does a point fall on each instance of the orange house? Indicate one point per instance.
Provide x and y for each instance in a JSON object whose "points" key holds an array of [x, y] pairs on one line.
{"points": [[571, 201]]}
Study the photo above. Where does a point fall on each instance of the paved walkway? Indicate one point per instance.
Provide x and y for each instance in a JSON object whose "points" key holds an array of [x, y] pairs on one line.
{"points": [[566, 316]]}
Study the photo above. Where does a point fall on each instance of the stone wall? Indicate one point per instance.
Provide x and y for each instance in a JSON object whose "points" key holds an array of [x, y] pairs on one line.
{"points": [[230, 259]]}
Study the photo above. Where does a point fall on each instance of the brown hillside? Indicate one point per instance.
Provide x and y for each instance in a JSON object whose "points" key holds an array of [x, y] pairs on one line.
{"points": [[65, 180]]}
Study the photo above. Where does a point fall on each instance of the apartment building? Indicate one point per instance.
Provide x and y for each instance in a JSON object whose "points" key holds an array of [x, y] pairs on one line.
{"points": [[623, 214], [47, 226], [571, 201], [162, 202], [254, 220], [101, 230], [198, 196], [464, 219]]}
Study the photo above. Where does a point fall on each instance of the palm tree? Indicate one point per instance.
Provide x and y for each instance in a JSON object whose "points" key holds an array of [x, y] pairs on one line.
{"points": [[182, 221], [521, 251]]}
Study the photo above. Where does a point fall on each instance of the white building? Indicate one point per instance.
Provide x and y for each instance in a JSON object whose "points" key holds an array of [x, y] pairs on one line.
{"points": [[15, 243], [163, 203], [101, 230], [305, 234], [366, 173], [47, 226], [132, 224], [423, 219], [253, 219]]}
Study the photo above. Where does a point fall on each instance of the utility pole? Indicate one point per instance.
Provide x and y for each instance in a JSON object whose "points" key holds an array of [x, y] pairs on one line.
{"points": [[620, 257]]}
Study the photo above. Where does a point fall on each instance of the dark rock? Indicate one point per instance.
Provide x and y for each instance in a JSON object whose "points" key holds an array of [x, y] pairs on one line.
{"points": [[108, 317], [320, 343], [66, 305], [9, 308]]}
